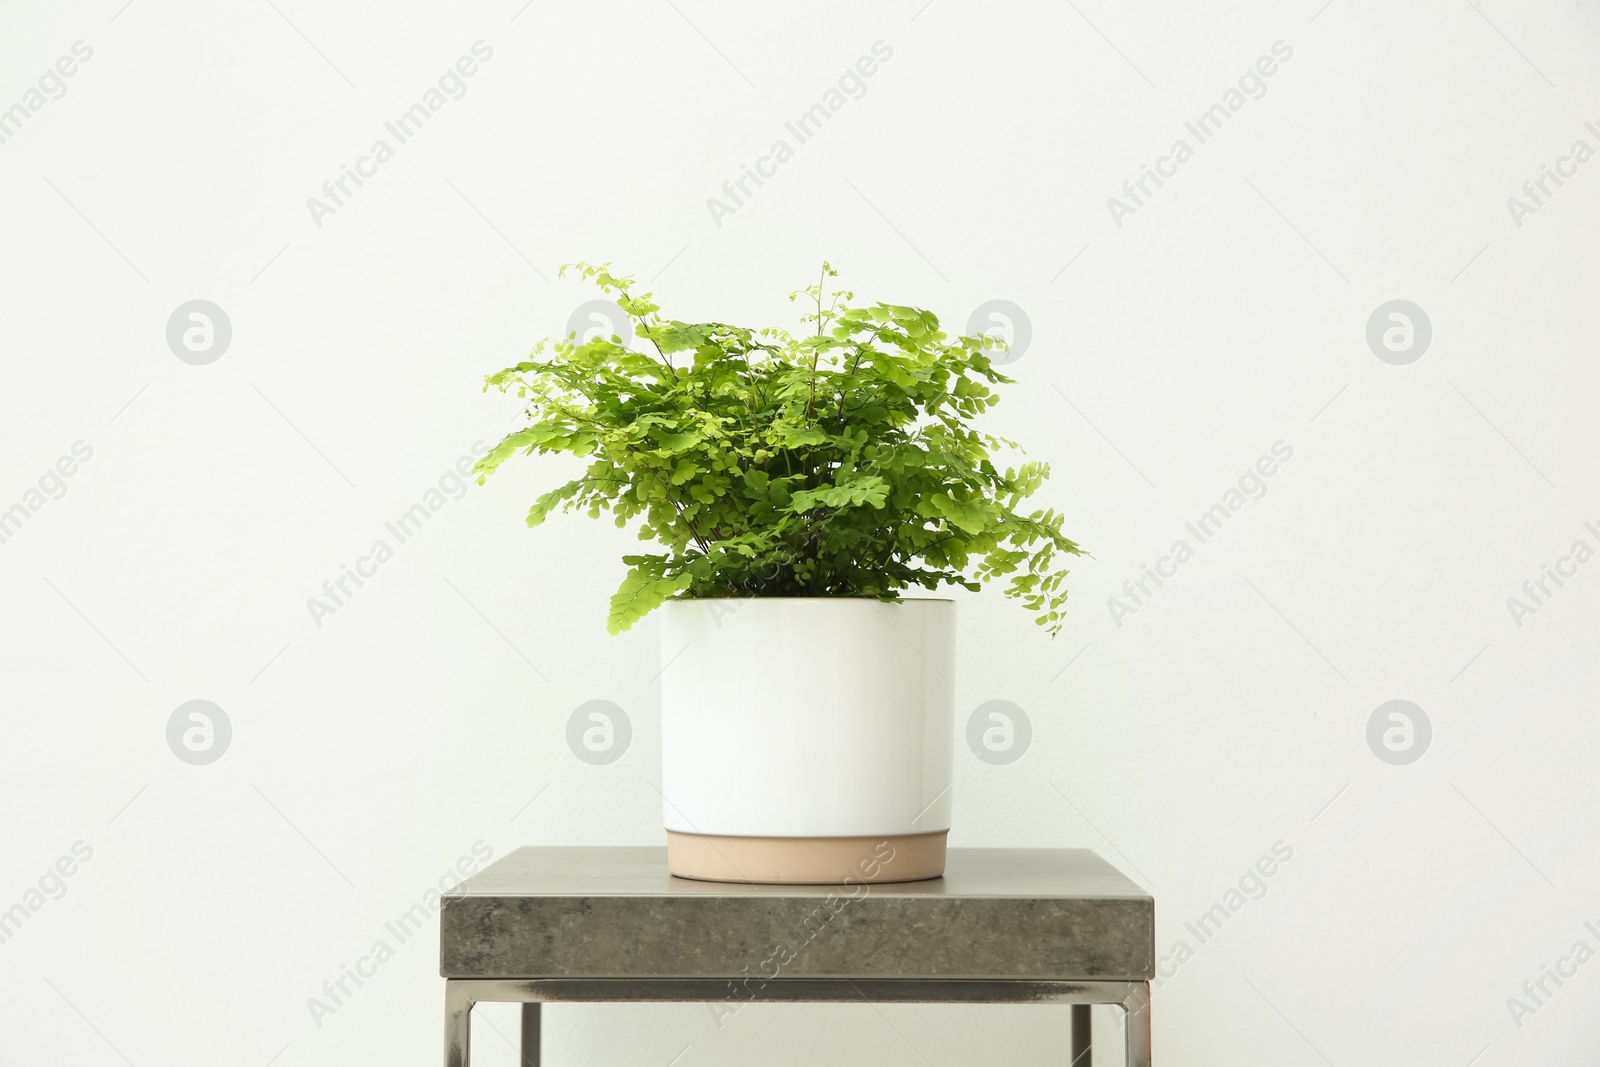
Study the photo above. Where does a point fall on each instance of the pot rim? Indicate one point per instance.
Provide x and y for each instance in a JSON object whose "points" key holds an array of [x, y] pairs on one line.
{"points": [[814, 599]]}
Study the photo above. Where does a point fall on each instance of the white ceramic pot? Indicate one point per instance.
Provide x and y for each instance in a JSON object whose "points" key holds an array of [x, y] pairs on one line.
{"points": [[807, 740]]}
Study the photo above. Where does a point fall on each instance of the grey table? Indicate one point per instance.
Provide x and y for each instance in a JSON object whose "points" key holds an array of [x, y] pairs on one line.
{"points": [[596, 925]]}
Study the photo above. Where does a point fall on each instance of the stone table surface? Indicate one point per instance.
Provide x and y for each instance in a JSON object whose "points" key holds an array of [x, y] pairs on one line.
{"points": [[575, 912]]}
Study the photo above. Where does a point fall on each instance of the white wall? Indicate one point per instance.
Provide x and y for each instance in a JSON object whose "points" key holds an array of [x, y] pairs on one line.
{"points": [[1227, 313]]}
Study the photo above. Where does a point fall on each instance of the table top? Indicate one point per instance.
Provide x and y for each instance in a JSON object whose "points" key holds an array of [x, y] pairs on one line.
{"points": [[573, 912]]}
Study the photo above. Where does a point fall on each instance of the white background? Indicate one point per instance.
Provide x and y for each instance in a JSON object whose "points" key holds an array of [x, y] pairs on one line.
{"points": [[1229, 713]]}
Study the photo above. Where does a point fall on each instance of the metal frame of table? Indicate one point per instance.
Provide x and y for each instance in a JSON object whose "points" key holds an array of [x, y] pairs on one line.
{"points": [[461, 994]]}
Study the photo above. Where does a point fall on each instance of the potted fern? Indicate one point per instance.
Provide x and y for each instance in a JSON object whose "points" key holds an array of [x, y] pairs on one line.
{"points": [[795, 489]]}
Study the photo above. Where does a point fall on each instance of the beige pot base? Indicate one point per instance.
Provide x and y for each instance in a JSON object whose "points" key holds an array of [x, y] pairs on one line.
{"points": [[806, 860]]}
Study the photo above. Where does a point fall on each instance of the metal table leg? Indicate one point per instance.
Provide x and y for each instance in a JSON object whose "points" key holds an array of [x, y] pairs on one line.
{"points": [[1138, 1008], [457, 1026], [530, 1034], [1082, 1056]]}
